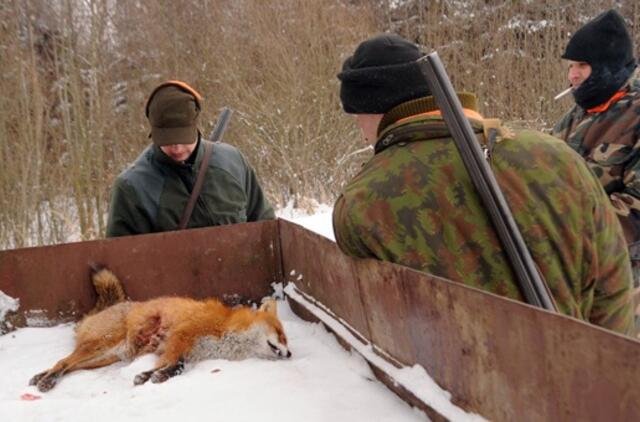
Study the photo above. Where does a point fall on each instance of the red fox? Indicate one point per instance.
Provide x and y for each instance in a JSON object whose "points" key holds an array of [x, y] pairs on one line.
{"points": [[179, 330]]}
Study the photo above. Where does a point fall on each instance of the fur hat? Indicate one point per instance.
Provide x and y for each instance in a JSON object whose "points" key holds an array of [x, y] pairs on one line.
{"points": [[172, 109], [381, 74]]}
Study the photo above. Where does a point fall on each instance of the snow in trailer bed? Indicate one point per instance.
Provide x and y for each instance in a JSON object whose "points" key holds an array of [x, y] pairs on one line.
{"points": [[321, 381]]}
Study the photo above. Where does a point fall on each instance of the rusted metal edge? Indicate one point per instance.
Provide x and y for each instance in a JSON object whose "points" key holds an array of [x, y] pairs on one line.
{"points": [[374, 348], [339, 320], [380, 362]]}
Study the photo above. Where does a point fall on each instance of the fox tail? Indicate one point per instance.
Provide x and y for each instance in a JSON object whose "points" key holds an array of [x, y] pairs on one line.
{"points": [[108, 286]]}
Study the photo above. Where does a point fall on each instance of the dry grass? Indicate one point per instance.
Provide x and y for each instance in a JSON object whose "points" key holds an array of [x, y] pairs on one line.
{"points": [[75, 74]]}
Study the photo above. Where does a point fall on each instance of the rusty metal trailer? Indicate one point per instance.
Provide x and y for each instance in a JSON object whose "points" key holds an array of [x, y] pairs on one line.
{"points": [[497, 357]]}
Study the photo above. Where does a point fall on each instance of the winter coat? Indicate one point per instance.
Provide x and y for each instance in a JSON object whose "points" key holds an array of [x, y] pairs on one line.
{"points": [[152, 194], [414, 204], [609, 140]]}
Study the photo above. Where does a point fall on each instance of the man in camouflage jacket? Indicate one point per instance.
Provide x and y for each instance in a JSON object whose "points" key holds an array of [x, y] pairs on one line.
{"points": [[414, 204], [152, 194], [604, 125]]}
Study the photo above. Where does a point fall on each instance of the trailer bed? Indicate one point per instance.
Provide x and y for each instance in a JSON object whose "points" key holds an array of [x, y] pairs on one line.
{"points": [[499, 358]]}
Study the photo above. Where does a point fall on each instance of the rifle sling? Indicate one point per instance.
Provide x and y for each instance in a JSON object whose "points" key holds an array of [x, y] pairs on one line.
{"points": [[204, 164]]}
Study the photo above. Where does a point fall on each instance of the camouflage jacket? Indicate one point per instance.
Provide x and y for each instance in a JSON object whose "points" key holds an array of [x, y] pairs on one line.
{"points": [[414, 204], [151, 195], [610, 142]]}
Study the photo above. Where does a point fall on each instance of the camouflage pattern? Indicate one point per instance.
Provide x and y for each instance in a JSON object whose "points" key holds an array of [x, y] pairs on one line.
{"points": [[610, 143], [414, 204]]}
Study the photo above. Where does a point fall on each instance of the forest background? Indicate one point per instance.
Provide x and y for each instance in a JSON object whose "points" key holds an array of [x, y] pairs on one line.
{"points": [[75, 74]]}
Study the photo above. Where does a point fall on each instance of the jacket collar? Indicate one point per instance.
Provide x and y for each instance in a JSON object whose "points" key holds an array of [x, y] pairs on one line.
{"points": [[421, 106], [406, 122], [605, 106]]}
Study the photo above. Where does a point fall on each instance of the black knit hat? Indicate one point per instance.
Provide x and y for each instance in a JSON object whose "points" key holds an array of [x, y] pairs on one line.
{"points": [[381, 74], [605, 44], [604, 40]]}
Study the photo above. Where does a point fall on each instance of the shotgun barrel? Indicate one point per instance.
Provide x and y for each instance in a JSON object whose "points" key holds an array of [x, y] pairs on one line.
{"points": [[221, 125], [530, 282]]}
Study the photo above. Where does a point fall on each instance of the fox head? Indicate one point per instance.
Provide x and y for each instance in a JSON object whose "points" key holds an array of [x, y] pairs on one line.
{"points": [[272, 342]]}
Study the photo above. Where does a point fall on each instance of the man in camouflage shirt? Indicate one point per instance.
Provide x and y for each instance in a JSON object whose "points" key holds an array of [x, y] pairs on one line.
{"points": [[604, 125], [414, 204]]}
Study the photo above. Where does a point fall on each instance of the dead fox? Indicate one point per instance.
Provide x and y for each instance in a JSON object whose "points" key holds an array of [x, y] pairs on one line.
{"points": [[179, 330]]}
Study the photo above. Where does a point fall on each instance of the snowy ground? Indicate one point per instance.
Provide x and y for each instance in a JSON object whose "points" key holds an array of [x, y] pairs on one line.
{"points": [[318, 221], [321, 382]]}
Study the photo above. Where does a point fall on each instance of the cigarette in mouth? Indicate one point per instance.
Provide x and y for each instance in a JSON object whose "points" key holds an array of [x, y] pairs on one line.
{"points": [[563, 93]]}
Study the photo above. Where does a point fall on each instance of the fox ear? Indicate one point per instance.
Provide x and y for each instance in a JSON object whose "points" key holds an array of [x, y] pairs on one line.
{"points": [[270, 307]]}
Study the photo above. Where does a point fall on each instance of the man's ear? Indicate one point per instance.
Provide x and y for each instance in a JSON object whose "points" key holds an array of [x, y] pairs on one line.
{"points": [[270, 307]]}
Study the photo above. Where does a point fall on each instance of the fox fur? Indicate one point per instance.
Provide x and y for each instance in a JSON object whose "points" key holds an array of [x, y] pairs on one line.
{"points": [[179, 330], [108, 288]]}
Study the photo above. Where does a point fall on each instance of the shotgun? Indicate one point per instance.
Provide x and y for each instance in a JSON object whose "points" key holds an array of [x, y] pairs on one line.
{"points": [[531, 285], [221, 125]]}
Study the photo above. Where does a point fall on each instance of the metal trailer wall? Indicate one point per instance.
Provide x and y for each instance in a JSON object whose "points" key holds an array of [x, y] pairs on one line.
{"points": [[502, 359], [53, 282]]}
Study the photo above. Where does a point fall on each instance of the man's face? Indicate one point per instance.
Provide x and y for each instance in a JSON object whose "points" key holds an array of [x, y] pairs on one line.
{"points": [[578, 72], [179, 152]]}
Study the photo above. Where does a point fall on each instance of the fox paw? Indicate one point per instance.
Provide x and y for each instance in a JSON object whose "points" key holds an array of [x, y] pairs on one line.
{"points": [[142, 377], [159, 376], [45, 381], [46, 384], [37, 377], [163, 374]]}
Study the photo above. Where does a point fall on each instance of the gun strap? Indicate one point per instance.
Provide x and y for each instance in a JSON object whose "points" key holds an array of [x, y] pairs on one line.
{"points": [[204, 164]]}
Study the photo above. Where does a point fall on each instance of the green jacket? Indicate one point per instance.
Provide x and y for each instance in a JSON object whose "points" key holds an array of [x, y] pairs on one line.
{"points": [[414, 204], [151, 195], [610, 143]]}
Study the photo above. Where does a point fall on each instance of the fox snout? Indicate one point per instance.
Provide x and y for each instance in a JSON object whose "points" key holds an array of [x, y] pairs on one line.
{"points": [[279, 350]]}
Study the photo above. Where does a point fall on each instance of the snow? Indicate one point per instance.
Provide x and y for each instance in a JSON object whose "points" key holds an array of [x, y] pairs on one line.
{"points": [[7, 304], [318, 220], [414, 379], [321, 381]]}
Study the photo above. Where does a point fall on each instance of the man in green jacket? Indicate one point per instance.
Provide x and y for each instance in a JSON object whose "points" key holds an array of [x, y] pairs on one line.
{"points": [[413, 202], [152, 193]]}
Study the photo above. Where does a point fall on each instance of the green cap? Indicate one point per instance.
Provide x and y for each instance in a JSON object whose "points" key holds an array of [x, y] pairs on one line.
{"points": [[173, 109]]}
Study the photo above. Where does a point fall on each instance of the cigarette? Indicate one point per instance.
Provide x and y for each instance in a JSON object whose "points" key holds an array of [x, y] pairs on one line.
{"points": [[563, 93]]}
